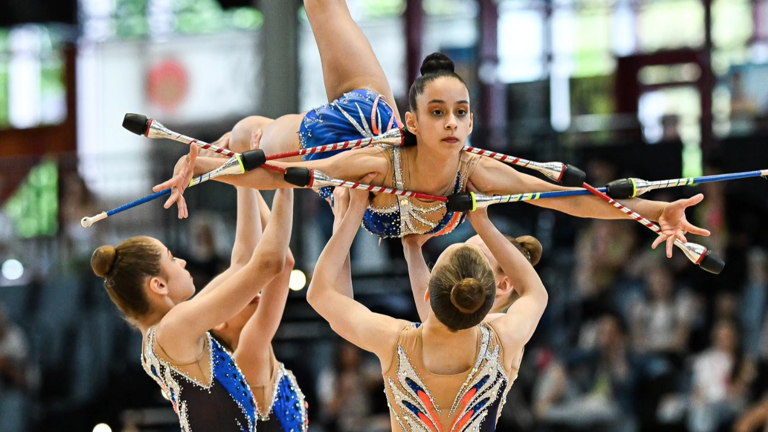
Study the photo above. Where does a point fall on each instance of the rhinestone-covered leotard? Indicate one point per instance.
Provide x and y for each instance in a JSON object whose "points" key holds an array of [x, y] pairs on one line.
{"points": [[281, 405], [224, 405], [364, 114], [420, 401]]}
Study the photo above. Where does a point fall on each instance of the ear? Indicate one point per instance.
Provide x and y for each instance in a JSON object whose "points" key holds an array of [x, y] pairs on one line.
{"points": [[157, 286], [471, 121], [410, 123], [504, 287], [426, 297]]}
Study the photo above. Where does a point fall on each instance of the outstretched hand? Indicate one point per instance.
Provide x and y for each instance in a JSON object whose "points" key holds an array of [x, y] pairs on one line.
{"points": [[674, 224], [182, 175]]}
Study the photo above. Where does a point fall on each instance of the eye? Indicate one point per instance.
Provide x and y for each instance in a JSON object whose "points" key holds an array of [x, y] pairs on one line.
{"points": [[462, 112], [437, 112]]}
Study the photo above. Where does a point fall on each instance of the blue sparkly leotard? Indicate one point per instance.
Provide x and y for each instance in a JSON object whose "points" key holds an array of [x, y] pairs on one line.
{"points": [[364, 114], [225, 405], [281, 406]]}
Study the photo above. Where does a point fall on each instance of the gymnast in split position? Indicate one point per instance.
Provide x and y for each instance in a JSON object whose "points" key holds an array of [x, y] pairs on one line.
{"points": [[208, 385], [361, 105], [452, 372]]}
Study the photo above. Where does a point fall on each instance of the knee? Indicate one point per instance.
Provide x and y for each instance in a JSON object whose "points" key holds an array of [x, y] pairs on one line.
{"points": [[244, 129]]}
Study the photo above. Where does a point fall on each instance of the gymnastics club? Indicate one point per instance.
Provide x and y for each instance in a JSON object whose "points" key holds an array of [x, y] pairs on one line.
{"points": [[311, 178], [555, 171], [151, 128], [238, 164], [696, 253]]}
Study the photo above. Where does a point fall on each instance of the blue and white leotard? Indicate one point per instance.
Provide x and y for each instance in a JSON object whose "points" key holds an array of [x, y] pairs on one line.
{"points": [[364, 114]]}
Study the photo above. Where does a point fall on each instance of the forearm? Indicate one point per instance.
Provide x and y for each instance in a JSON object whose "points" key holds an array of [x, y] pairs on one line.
{"points": [[418, 274], [260, 178], [331, 262], [593, 207], [249, 226], [277, 236]]}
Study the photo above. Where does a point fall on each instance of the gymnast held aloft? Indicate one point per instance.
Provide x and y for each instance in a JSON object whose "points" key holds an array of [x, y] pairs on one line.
{"points": [[212, 388], [440, 118]]}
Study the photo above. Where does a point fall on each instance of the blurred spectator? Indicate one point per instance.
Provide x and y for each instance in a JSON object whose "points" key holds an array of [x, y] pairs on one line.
{"points": [[755, 419], [660, 322], [721, 380], [754, 300], [13, 376], [346, 393], [203, 259], [76, 202], [596, 388]]}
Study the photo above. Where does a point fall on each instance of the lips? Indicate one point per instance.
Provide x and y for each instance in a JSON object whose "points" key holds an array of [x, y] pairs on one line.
{"points": [[451, 140]]}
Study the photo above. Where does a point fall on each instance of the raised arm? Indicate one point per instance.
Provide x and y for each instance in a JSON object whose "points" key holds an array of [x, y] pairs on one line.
{"points": [[351, 320], [418, 271], [494, 177], [193, 318], [520, 321], [250, 225]]}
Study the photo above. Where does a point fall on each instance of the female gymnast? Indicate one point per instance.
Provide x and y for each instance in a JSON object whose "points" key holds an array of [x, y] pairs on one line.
{"points": [[419, 273], [452, 372], [201, 379], [280, 404], [439, 117]]}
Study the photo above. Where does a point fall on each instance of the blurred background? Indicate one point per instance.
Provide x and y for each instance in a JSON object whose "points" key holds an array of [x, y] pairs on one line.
{"points": [[630, 341]]}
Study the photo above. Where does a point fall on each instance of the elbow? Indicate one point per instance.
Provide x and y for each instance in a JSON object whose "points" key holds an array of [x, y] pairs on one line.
{"points": [[269, 264]]}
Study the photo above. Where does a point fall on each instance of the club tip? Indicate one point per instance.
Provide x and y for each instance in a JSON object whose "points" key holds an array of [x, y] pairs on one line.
{"points": [[572, 176], [712, 263], [136, 123], [86, 222]]}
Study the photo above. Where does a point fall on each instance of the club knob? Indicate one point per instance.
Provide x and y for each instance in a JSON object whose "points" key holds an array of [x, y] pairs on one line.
{"points": [[461, 202], [253, 159], [572, 176], [619, 189], [712, 263], [298, 176], [136, 123]]}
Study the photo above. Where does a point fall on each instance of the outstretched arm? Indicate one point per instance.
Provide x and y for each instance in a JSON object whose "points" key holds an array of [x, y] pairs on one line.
{"points": [[354, 322], [418, 271], [520, 321], [494, 177], [189, 320], [247, 234]]}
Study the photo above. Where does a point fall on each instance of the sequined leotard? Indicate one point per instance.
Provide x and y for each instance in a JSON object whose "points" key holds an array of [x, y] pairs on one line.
{"points": [[420, 401], [224, 405], [364, 114], [281, 406]]}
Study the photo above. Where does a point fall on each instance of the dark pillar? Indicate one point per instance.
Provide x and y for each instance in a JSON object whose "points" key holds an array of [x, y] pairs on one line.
{"points": [[414, 34], [493, 96], [707, 85], [280, 59]]}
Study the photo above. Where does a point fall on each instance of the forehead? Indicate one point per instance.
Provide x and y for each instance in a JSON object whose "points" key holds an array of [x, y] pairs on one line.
{"points": [[447, 89]]}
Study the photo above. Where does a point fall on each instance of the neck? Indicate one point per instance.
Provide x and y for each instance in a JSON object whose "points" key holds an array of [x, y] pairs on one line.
{"points": [[433, 170], [438, 331], [150, 319]]}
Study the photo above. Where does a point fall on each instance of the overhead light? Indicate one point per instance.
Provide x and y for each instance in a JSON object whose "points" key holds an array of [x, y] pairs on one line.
{"points": [[298, 280], [12, 269], [102, 427]]}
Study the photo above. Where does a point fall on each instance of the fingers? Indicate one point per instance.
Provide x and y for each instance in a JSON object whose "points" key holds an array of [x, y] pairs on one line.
{"points": [[696, 230], [692, 201], [165, 185], [670, 245], [366, 179], [193, 152], [680, 236], [223, 142], [659, 240], [256, 139], [175, 194]]}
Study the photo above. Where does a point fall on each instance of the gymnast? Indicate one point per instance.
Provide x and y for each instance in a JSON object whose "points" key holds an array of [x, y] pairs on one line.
{"points": [[203, 381], [453, 371], [360, 106], [419, 273]]}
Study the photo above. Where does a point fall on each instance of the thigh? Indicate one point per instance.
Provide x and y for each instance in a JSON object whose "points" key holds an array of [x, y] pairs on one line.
{"points": [[346, 55], [279, 135]]}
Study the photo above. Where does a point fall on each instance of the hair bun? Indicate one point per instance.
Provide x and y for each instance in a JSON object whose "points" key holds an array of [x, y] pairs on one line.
{"points": [[102, 260], [468, 295], [437, 62], [531, 245]]}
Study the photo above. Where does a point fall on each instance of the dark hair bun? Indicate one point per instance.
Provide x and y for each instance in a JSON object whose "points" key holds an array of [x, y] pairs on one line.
{"points": [[468, 295], [436, 62], [102, 260], [532, 246]]}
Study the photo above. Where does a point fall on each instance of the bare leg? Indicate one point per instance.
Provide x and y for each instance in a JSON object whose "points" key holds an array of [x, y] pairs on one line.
{"points": [[348, 59], [280, 135]]}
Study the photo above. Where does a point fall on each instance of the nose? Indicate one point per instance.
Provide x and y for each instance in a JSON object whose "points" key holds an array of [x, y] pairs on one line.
{"points": [[183, 263], [451, 123]]}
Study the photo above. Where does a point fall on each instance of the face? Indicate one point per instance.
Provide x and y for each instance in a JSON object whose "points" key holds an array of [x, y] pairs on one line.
{"points": [[443, 121], [724, 337], [175, 278]]}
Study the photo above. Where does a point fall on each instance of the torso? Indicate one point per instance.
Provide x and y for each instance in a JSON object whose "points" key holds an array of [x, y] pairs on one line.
{"points": [[421, 400], [217, 399], [281, 405]]}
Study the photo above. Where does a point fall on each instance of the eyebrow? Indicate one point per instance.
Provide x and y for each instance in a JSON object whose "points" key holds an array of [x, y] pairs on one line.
{"points": [[440, 101]]}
